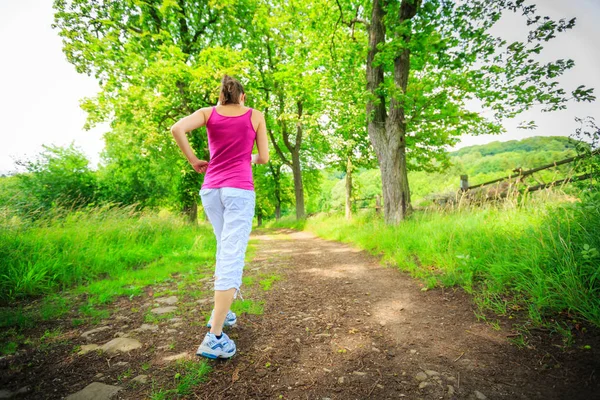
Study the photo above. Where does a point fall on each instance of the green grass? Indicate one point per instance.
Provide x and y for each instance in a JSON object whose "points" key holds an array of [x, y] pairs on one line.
{"points": [[267, 281], [542, 258], [104, 248], [123, 251], [188, 374], [248, 307]]}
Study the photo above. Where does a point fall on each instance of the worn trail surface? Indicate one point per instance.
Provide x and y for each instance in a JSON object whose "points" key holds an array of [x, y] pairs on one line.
{"points": [[337, 325], [341, 326]]}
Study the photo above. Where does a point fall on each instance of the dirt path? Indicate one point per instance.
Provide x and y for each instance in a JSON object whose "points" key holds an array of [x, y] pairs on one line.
{"points": [[337, 325], [340, 326]]}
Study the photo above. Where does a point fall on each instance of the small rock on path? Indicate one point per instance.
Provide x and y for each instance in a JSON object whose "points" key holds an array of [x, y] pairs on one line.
{"points": [[164, 310], [167, 300], [95, 391], [121, 344]]}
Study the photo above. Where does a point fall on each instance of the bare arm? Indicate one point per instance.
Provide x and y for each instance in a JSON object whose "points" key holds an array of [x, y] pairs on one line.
{"points": [[262, 143], [179, 130]]}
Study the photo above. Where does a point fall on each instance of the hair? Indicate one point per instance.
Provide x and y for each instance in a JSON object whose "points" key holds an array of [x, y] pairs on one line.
{"points": [[231, 90]]}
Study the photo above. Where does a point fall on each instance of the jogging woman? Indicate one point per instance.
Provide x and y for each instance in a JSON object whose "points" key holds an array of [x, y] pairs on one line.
{"points": [[227, 196]]}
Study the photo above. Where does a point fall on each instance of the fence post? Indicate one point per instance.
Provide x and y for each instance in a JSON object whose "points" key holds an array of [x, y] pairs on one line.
{"points": [[378, 204], [464, 182]]}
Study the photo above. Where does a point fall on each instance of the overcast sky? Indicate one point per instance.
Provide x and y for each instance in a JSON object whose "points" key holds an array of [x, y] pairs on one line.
{"points": [[40, 90]]}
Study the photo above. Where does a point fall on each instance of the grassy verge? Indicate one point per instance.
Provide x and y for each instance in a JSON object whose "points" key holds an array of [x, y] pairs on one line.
{"points": [[538, 257], [83, 247], [74, 267]]}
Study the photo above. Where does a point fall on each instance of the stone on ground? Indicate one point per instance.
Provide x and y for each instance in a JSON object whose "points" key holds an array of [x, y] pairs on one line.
{"points": [[164, 310], [86, 348], [147, 327], [421, 376], [479, 395], [89, 333], [121, 344], [167, 300], [7, 394], [95, 391], [140, 379], [176, 357]]}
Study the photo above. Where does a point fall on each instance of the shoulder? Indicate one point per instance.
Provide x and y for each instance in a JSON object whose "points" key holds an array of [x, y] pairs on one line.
{"points": [[206, 110], [257, 114]]}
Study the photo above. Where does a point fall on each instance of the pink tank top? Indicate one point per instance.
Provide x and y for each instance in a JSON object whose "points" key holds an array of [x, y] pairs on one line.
{"points": [[230, 142]]}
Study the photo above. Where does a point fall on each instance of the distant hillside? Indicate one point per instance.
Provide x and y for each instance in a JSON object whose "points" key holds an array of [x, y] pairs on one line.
{"points": [[531, 144]]}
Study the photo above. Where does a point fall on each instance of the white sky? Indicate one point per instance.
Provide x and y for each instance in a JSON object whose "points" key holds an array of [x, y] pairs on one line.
{"points": [[40, 90]]}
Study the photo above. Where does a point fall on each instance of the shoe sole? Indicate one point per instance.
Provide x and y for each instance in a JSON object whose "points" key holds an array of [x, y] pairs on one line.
{"points": [[214, 356]]}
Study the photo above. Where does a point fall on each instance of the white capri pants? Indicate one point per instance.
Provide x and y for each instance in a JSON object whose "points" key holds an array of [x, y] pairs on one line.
{"points": [[230, 211]]}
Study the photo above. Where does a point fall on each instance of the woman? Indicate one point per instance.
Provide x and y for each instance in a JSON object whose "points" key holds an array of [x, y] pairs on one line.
{"points": [[227, 196]]}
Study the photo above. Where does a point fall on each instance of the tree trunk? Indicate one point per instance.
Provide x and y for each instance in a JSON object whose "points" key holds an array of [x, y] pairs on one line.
{"points": [[276, 171], [298, 187], [259, 219], [388, 134], [349, 189], [191, 212]]}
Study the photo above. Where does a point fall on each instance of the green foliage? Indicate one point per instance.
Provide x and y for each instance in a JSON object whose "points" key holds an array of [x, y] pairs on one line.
{"points": [[545, 258], [59, 176]]}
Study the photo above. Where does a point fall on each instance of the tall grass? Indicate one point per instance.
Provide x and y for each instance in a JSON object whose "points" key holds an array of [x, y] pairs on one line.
{"points": [[535, 255], [81, 247]]}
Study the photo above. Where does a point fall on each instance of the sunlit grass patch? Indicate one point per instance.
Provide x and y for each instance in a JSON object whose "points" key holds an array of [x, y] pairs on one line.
{"points": [[187, 374], [248, 307], [267, 281]]}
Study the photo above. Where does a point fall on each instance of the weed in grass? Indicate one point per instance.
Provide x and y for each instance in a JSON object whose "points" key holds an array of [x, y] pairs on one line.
{"points": [[145, 366], [164, 293], [50, 336], [266, 282], [9, 348], [248, 280], [247, 307], [54, 307], [520, 341], [16, 317], [125, 375], [94, 313], [75, 322], [197, 294], [152, 318], [190, 374], [160, 395]]}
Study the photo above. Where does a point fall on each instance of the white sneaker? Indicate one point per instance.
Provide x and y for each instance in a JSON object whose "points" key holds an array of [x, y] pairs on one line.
{"points": [[230, 319], [212, 347]]}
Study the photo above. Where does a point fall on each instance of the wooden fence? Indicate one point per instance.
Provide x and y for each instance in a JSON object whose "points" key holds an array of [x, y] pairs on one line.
{"points": [[500, 192], [520, 174]]}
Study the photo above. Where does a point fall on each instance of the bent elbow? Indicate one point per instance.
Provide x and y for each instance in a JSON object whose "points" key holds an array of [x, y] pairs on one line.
{"points": [[264, 160], [175, 130]]}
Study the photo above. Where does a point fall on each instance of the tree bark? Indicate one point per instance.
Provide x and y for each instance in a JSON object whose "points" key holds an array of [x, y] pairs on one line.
{"points": [[296, 168], [276, 171], [388, 134], [298, 187], [349, 189]]}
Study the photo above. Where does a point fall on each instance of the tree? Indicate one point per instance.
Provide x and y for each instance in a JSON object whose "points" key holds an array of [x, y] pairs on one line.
{"points": [[286, 42], [156, 61], [428, 59], [59, 176]]}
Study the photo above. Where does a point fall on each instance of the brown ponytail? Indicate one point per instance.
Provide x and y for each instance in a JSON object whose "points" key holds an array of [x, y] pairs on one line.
{"points": [[231, 90]]}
